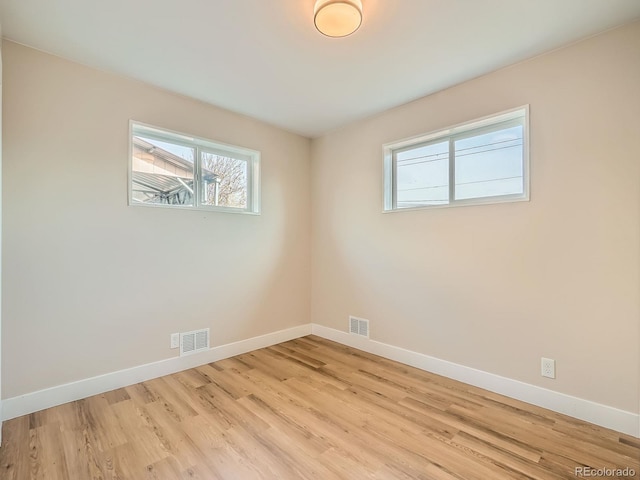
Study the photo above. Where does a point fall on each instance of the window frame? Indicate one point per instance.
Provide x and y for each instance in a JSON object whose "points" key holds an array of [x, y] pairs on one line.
{"points": [[252, 157], [498, 121]]}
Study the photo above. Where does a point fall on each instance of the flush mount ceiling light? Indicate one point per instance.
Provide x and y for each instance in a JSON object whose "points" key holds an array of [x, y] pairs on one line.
{"points": [[337, 18]]}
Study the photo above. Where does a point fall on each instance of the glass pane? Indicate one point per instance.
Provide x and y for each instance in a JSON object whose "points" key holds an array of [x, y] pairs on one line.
{"points": [[422, 176], [224, 181], [490, 164], [162, 172]]}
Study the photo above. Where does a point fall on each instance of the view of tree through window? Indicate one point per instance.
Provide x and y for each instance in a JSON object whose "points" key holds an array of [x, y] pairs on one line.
{"points": [[164, 172], [224, 181]]}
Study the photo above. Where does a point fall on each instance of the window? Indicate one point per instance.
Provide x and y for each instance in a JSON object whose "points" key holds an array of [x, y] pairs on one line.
{"points": [[484, 161], [173, 170]]}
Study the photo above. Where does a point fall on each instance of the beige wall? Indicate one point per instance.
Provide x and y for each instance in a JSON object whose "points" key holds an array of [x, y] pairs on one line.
{"points": [[496, 287], [92, 285]]}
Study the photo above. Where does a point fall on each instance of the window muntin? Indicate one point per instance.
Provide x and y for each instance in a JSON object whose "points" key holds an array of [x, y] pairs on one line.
{"points": [[485, 161], [164, 172]]}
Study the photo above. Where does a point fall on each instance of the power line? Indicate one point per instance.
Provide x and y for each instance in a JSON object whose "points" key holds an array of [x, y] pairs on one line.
{"points": [[490, 150], [404, 164], [458, 183], [489, 144], [421, 188], [491, 180], [425, 156]]}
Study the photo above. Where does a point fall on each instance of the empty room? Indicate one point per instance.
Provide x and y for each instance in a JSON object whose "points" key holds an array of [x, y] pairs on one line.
{"points": [[320, 239]]}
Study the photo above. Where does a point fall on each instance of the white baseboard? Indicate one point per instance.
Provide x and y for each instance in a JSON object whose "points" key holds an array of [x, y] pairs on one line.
{"points": [[603, 415], [50, 397]]}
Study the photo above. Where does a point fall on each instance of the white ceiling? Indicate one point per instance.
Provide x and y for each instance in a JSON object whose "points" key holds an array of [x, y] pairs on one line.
{"points": [[265, 59]]}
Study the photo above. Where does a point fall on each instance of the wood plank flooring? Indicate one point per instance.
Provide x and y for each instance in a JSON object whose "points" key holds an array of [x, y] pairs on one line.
{"points": [[306, 409]]}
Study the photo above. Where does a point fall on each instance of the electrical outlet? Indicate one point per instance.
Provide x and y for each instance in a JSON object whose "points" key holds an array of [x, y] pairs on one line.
{"points": [[175, 340], [548, 367]]}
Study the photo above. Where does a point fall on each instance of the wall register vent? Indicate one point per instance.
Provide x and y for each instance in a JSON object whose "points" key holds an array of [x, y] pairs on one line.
{"points": [[193, 342], [359, 326]]}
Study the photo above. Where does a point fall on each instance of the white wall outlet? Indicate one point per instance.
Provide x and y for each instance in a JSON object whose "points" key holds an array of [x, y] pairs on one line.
{"points": [[175, 340], [548, 367]]}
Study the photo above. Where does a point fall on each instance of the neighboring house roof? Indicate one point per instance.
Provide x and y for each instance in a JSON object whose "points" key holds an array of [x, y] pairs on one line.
{"points": [[162, 154], [163, 185]]}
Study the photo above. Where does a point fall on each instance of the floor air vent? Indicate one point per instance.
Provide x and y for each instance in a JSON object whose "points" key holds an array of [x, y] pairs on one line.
{"points": [[359, 326], [193, 342]]}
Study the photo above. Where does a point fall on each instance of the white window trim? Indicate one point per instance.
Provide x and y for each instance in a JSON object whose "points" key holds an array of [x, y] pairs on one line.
{"points": [[200, 144], [453, 133]]}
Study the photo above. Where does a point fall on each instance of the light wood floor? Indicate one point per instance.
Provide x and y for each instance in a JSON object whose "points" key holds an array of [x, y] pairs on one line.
{"points": [[307, 408]]}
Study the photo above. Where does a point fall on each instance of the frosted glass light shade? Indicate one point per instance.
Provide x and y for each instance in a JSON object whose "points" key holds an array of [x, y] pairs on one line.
{"points": [[337, 18]]}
